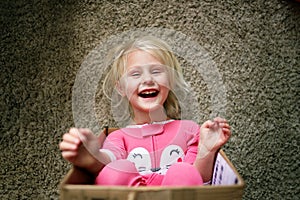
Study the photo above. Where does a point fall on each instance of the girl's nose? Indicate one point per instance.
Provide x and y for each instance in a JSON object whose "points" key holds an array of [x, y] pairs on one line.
{"points": [[147, 79]]}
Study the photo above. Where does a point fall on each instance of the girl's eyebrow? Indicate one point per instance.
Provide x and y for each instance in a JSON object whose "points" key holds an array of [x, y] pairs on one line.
{"points": [[149, 65], [138, 67], [133, 67], [162, 66]]}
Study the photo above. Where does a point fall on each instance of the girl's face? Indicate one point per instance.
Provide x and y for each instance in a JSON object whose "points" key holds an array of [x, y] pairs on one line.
{"points": [[145, 82]]}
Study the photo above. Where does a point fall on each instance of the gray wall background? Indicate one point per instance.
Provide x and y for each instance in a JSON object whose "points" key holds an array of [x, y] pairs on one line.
{"points": [[255, 45]]}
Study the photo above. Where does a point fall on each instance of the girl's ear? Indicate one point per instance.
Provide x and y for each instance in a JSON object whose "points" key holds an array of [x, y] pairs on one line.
{"points": [[120, 89]]}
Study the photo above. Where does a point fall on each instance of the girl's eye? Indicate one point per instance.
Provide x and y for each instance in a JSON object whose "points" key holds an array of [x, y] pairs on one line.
{"points": [[135, 74], [157, 71]]}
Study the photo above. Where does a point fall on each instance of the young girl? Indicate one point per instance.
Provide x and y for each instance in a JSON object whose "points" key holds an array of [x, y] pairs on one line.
{"points": [[156, 147]]}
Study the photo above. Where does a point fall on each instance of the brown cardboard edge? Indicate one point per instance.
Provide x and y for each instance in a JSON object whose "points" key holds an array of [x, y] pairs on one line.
{"points": [[240, 179], [83, 182], [80, 180]]}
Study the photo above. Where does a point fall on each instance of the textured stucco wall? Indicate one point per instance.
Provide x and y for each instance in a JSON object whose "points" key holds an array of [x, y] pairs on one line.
{"points": [[255, 45]]}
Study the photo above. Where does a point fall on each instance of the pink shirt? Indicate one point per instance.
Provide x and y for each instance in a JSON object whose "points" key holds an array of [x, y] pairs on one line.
{"points": [[154, 147]]}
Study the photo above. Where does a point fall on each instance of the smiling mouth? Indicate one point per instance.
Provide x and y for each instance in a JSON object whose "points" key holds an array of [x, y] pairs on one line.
{"points": [[148, 94]]}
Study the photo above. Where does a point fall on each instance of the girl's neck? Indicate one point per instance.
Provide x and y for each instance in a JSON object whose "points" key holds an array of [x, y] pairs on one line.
{"points": [[157, 115]]}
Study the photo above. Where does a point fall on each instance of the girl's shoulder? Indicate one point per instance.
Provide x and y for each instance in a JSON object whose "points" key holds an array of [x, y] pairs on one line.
{"points": [[187, 126], [185, 123], [115, 133], [188, 129]]}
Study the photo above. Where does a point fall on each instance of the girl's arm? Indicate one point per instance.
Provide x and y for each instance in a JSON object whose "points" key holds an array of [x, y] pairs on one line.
{"points": [[81, 147], [213, 135], [205, 166]]}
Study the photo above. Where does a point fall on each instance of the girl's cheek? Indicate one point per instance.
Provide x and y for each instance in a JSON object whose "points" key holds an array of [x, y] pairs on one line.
{"points": [[163, 81], [131, 87], [132, 83]]}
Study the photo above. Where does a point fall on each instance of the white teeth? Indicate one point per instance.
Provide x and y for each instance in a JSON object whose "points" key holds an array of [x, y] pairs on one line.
{"points": [[148, 92]]}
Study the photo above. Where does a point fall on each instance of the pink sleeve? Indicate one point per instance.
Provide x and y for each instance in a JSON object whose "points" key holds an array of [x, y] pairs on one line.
{"points": [[114, 145], [192, 133]]}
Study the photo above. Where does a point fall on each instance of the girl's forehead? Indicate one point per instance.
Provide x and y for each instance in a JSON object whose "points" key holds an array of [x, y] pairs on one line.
{"points": [[141, 57], [149, 66]]}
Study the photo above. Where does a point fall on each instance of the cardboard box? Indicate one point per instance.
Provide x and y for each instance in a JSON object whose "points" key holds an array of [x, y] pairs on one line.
{"points": [[227, 184]]}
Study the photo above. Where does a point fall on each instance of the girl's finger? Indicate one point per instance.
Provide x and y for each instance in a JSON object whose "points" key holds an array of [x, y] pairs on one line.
{"points": [[207, 124], [86, 134], [66, 146], [220, 120], [70, 138], [74, 132], [69, 154], [226, 132], [225, 125]]}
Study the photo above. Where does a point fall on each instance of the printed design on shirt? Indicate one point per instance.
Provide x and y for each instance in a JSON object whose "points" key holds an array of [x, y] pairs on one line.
{"points": [[141, 158], [171, 154]]}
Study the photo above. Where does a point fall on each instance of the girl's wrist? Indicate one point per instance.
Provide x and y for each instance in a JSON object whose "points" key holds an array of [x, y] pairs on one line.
{"points": [[203, 151], [94, 168]]}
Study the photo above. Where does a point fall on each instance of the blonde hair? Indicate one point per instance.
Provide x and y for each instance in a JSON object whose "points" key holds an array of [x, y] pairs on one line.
{"points": [[117, 60]]}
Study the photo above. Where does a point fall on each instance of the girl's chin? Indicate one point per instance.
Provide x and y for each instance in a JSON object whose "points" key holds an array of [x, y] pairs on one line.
{"points": [[146, 104], [149, 106]]}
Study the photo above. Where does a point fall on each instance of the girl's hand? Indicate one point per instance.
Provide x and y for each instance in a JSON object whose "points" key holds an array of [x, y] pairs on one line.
{"points": [[213, 135], [81, 147]]}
